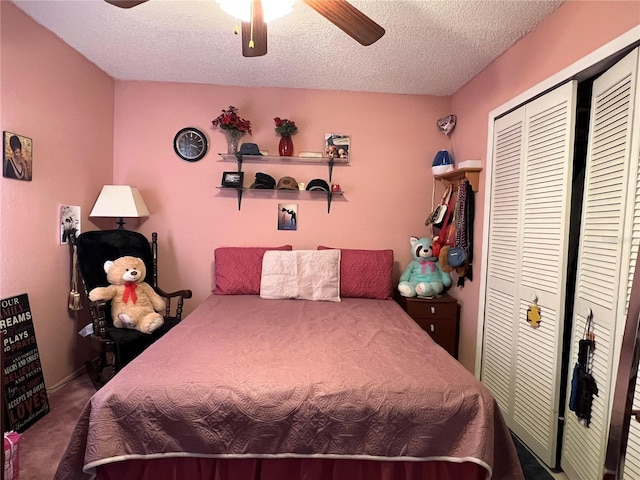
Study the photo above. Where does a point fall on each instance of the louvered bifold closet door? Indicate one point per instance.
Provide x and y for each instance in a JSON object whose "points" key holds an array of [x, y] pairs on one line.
{"points": [[503, 260], [546, 209], [604, 256], [526, 263], [632, 457]]}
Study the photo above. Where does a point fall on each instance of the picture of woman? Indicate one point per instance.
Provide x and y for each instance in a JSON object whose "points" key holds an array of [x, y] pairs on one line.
{"points": [[17, 157]]}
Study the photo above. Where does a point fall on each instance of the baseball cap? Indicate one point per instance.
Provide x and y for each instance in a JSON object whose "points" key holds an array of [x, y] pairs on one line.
{"points": [[264, 181], [318, 184], [287, 183]]}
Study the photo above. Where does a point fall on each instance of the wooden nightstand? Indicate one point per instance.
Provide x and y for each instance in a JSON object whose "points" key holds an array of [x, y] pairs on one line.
{"points": [[439, 317]]}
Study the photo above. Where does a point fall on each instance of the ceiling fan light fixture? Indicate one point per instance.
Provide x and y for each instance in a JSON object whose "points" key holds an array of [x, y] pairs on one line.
{"points": [[272, 9]]}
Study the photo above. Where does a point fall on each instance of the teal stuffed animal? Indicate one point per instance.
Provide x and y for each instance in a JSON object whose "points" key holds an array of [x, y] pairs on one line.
{"points": [[423, 276]]}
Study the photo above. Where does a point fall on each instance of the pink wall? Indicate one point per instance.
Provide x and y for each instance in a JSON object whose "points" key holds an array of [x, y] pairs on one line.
{"points": [[387, 186], [576, 29], [54, 96], [69, 108]]}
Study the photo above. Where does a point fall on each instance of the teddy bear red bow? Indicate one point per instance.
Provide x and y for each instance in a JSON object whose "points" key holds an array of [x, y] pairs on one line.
{"points": [[134, 303]]}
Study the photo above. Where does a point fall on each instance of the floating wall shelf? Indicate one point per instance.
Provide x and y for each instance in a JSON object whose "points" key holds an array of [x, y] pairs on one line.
{"points": [[275, 193], [230, 157], [472, 174], [240, 159]]}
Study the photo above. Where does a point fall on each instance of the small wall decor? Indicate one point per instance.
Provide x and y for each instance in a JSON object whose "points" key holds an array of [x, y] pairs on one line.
{"points": [[446, 124], [17, 157], [69, 221], [337, 145], [287, 216], [232, 179]]}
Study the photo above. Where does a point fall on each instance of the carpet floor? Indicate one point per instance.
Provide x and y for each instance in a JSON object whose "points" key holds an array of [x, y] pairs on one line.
{"points": [[42, 444]]}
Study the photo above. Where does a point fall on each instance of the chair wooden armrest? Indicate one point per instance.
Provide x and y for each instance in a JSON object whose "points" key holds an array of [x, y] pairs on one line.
{"points": [[99, 319], [174, 309]]}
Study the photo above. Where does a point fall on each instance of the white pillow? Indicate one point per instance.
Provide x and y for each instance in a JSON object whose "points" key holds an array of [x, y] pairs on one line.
{"points": [[301, 274]]}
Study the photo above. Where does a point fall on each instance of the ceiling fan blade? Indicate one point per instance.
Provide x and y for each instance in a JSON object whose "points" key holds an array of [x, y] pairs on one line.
{"points": [[348, 19], [125, 3], [254, 44]]}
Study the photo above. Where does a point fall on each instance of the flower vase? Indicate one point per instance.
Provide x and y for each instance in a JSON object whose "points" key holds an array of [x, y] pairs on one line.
{"points": [[285, 147], [233, 140]]}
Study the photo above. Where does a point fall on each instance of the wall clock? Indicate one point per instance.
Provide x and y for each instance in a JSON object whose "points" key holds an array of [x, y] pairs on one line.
{"points": [[190, 144]]}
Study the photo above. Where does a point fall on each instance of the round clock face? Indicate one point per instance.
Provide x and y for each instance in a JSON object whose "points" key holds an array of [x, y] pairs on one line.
{"points": [[190, 144]]}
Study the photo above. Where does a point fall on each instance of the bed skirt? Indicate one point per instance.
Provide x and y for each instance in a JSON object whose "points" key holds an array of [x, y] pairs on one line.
{"points": [[290, 468]]}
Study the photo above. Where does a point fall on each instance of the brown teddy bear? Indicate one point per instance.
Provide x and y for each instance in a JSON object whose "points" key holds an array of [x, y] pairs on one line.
{"points": [[134, 303]]}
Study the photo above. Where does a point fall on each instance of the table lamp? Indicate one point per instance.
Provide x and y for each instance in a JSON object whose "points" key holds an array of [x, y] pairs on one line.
{"points": [[119, 201]]}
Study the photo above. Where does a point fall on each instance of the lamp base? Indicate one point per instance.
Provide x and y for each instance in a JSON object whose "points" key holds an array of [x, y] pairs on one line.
{"points": [[121, 224]]}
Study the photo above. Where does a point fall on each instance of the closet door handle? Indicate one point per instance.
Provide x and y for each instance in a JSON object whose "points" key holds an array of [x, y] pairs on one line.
{"points": [[637, 414]]}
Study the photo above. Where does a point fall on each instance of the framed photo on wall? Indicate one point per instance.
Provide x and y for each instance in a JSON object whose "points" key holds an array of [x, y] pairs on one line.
{"points": [[17, 156], [232, 179], [69, 221], [287, 216], [337, 145]]}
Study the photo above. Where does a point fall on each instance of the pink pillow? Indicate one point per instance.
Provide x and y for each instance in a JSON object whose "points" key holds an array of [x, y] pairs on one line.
{"points": [[365, 273], [238, 269]]}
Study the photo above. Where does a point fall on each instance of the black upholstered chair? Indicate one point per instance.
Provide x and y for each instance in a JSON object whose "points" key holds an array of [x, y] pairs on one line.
{"points": [[118, 346]]}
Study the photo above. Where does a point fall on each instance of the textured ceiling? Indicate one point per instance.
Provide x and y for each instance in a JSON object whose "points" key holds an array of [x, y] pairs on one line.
{"points": [[430, 47]]}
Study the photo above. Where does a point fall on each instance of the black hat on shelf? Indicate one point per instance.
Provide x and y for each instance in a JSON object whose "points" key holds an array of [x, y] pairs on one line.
{"points": [[317, 184], [264, 181], [249, 149]]}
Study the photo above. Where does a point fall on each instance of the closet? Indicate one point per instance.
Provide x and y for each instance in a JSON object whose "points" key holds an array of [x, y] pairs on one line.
{"points": [[528, 244], [530, 248]]}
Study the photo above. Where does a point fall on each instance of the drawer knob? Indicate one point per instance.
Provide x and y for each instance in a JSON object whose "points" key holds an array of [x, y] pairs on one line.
{"points": [[433, 328], [433, 310]]}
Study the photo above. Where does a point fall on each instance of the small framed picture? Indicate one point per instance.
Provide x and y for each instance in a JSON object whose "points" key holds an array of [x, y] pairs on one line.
{"points": [[69, 222], [232, 179], [287, 216], [17, 156], [337, 145]]}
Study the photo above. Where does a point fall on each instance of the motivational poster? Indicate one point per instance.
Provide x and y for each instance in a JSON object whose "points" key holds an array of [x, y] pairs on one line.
{"points": [[23, 385]]}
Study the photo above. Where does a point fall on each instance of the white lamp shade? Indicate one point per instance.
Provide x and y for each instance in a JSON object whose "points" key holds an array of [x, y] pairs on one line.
{"points": [[119, 201]]}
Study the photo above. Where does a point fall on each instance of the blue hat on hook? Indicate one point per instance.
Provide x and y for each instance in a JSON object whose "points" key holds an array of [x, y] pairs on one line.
{"points": [[442, 163]]}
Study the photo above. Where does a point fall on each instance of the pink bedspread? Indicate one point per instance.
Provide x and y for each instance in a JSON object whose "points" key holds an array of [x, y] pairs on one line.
{"points": [[244, 377]]}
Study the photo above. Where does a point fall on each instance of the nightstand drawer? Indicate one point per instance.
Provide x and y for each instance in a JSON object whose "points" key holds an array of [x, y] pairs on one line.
{"points": [[443, 332], [431, 310]]}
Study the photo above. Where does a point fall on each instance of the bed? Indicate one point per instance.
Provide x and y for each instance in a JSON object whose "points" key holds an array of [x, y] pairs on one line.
{"points": [[248, 387]]}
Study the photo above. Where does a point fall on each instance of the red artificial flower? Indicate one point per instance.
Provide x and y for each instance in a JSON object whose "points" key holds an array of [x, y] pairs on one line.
{"points": [[285, 127], [230, 120]]}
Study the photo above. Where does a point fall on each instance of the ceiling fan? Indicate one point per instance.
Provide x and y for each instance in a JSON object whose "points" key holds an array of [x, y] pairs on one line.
{"points": [[339, 12]]}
